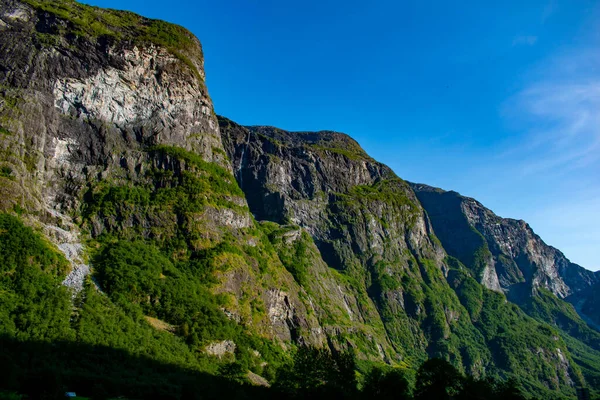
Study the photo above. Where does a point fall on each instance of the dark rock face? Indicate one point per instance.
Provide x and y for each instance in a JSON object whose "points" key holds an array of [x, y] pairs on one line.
{"points": [[308, 178], [587, 303], [278, 170], [87, 106], [505, 254]]}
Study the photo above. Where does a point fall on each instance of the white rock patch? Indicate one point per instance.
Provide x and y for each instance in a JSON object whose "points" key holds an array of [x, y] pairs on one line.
{"points": [[137, 92], [69, 243], [18, 14], [220, 349]]}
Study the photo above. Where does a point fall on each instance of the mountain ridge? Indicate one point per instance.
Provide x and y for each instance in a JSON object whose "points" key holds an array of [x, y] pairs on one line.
{"points": [[575, 277]]}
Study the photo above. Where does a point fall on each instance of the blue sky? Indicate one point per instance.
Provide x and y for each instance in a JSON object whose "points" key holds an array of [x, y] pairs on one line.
{"points": [[498, 102]]}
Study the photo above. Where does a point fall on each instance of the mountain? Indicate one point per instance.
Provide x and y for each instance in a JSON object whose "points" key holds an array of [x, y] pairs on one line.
{"points": [[372, 226], [504, 254], [152, 247], [587, 304]]}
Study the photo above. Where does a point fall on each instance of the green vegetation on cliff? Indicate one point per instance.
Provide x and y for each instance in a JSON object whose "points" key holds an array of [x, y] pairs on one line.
{"points": [[513, 337], [105, 346], [174, 271], [95, 23], [39, 325], [33, 305]]}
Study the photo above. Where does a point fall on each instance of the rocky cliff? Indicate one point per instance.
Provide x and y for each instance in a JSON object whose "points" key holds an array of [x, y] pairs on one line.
{"points": [[370, 228], [504, 254], [507, 256], [182, 236], [108, 131]]}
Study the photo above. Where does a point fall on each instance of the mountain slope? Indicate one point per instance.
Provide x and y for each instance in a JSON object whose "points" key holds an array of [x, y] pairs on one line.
{"points": [[369, 226], [507, 256], [136, 220], [504, 254], [110, 147]]}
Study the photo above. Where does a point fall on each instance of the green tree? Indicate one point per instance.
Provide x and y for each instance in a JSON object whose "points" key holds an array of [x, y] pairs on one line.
{"points": [[438, 379], [386, 384], [317, 373]]}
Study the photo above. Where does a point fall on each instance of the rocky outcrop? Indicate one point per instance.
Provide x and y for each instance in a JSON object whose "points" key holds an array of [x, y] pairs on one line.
{"points": [[220, 349], [281, 171], [508, 249], [303, 178], [68, 240], [84, 107], [81, 110], [257, 380]]}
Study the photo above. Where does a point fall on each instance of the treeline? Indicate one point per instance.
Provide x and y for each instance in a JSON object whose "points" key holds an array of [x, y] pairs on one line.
{"points": [[320, 374], [41, 370]]}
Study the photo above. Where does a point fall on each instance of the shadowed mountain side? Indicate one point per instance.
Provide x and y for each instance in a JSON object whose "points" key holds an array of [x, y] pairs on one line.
{"points": [[587, 304], [503, 254], [42, 369]]}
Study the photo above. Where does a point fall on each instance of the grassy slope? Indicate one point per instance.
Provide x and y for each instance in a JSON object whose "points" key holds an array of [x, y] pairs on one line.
{"points": [[36, 311]]}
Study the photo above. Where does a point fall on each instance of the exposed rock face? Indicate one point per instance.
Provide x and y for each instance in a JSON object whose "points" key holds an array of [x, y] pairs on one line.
{"points": [[88, 106], [81, 110], [302, 177], [221, 349], [299, 173], [147, 88], [84, 114], [375, 261], [499, 247], [281, 312], [506, 255]]}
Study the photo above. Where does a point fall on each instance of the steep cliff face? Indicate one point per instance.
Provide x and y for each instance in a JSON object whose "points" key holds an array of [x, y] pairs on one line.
{"points": [[591, 305], [504, 254], [108, 134], [587, 303], [308, 180], [84, 93], [370, 230], [83, 103]]}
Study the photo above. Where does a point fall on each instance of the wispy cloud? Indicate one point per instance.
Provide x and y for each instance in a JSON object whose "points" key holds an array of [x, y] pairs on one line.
{"points": [[555, 151], [527, 40], [567, 117], [561, 115]]}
